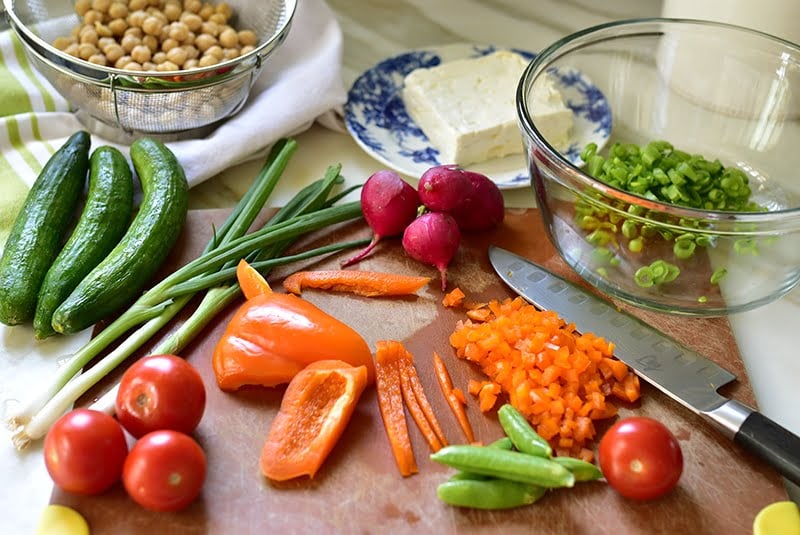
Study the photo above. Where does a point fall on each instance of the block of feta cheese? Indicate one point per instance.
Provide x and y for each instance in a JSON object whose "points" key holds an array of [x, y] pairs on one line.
{"points": [[467, 107], [550, 116]]}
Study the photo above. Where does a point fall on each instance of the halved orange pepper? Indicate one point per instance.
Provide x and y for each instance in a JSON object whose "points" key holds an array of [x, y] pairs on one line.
{"points": [[273, 336], [315, 410]]}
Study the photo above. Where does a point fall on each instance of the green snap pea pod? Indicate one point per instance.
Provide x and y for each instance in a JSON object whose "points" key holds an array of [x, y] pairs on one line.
{"points": [[500, 444], [582, 470], [513, 465], [489, 494], [521, 432]]}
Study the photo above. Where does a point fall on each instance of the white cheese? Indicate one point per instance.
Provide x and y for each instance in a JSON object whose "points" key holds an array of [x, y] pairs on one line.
{"points": [[550, 116], [467, 107]]}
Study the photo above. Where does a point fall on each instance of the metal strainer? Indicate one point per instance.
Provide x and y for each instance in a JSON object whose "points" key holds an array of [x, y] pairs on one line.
{"points": [[120, 104]]}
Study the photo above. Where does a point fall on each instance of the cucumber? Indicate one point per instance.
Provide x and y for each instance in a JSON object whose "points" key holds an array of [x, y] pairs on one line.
{"points": [[122, 275], [39, 229], [104, 220]]}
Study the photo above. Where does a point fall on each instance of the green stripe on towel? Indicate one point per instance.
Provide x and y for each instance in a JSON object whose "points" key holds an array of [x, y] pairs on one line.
{"points": [[14, 191], [16, 141], [22, 59], [13, 96]]}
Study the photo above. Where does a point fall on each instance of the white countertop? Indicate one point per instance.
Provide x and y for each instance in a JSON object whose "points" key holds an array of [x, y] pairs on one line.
{"points": [[376, 29]]}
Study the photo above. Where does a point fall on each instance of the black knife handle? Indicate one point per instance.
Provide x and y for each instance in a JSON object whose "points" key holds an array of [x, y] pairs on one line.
{"points": [[772, 443]]}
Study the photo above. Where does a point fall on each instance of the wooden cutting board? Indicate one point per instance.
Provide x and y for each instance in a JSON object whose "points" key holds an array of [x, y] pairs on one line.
{"points": [[359, 489]]}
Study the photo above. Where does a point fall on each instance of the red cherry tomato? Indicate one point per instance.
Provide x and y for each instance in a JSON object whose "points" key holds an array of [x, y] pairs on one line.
{"points": [[164, 471], [640, 458], [84, 451], [160, 392]]}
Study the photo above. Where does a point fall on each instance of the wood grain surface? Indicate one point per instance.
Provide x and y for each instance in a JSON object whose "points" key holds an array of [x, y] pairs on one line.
{"points": [[359, 489]]}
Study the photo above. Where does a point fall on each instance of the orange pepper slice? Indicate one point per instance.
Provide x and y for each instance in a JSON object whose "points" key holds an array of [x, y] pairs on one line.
{"points": [[314, 412], [273, 336]]}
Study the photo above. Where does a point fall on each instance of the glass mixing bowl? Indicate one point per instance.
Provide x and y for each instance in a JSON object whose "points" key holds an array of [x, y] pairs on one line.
{"points": [[723, 92]]}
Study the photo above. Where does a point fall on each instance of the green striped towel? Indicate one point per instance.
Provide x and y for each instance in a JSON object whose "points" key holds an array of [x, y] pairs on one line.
{"points": [[300, 83]]}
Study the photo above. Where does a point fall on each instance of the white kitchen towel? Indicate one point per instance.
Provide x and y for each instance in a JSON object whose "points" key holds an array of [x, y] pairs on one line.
{"points": [[300, 83]]}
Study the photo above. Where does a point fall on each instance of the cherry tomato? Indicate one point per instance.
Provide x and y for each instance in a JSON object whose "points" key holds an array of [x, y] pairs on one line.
{"points": [[164, 471], [640, 458], [160, 392], [84, 451]]}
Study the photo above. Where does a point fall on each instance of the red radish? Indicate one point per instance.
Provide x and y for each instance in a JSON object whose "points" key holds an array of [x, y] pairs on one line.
{"points": [[389, 204], [433, 238], [443, 188], [483, 208]]}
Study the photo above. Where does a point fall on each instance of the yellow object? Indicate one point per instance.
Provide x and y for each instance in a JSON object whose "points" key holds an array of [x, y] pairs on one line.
{"points": [[779, 518], [62, 520]]}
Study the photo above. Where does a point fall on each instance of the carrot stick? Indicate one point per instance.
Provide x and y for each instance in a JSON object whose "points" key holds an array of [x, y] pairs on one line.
{"points": [[446, 384], [414, 408], [407, 361], [390, 402], [367, 283]]}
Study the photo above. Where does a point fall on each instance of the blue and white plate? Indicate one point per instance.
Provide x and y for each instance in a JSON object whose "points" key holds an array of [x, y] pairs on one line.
{"points": [[376, 116]]}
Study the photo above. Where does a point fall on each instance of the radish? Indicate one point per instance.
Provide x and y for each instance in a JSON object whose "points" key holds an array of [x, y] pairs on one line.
{"points": [[389, 204], [433, 238], [483, 207], [443, 187]]}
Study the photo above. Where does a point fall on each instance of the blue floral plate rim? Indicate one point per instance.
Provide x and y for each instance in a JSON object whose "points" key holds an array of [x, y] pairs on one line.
{"points": [[376, 117]]}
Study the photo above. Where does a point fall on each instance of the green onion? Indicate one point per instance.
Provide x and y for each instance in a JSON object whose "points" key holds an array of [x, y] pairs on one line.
{"points": [[309, 211]]}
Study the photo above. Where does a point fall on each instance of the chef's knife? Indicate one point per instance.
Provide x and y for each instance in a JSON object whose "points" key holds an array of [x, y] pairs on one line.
{"points": [[682, 374]]}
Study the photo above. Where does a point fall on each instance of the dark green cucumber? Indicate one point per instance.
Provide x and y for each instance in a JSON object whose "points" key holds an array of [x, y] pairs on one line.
{"points": [[39, 229], [104, 220], [122, 275]]}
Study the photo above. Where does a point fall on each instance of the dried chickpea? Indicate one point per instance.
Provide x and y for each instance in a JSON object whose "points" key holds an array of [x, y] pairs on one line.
{"points": [[137, 18], [87, 50], [62, 43], [191, 51], [206, 11], [157, 13], [117, 10], [92, 16], [82, 6], [192, 21], [204, 41], [167, 66], [154, 3], [105, 42], [231, 53], [129, 42], [224, 9], [149, 66], [88, 35], [72, 49], [113, 52], [103, 30], [164, 35], [141, 54], [98, 59], [246, 49], [159, 57], [247, 37], [192, 5], [173, 12], [150, 42], [101, 5], [210, 28], [177, 55], [118, 26], [75, 31], [190, 63], [207, 61], [132, 66], [152, 25], [215, 51], [190, 37], [219, 18], [168, 44], [122, 61], [178, 31], [135, 5], [229, 38]]}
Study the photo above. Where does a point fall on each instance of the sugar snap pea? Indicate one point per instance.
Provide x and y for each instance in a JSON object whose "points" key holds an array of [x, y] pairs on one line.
{"points": [[582, 470], [500, 444], [489, 494], [521, 432], [512, 465]]}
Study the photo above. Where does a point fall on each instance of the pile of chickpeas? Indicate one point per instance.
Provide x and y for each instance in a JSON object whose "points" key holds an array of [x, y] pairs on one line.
{"points": [[155, 35]]}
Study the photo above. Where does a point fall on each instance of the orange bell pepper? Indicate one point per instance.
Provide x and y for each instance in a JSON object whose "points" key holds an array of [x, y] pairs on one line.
{"points": [[315, 410], [273, 336]]}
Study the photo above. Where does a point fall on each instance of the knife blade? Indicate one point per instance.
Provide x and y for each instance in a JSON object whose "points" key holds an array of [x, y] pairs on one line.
{"points": [[681, 373]]}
